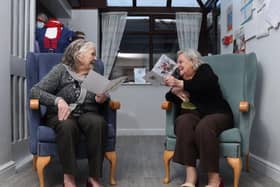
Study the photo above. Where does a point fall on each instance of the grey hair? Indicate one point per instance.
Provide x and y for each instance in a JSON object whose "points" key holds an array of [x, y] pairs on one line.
{"points": [[193, 55], [43, 17], [76, 48]]}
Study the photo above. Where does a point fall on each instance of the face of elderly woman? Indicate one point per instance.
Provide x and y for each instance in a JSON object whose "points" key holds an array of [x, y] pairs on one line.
{"points": [[87, 59], [185, 66]]}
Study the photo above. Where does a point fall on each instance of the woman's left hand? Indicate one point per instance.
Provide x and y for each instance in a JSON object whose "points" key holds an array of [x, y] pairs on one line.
{"points": [[101, 98]]}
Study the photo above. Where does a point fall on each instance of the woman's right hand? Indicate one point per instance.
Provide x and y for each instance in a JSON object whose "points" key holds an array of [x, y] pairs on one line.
{"points": [[63, 110], [171, 81]]}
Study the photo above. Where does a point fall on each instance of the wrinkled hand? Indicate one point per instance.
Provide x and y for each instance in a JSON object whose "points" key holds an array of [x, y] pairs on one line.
{"points": [[63, 110], [173, 82], [179, 92], [101, 98]]}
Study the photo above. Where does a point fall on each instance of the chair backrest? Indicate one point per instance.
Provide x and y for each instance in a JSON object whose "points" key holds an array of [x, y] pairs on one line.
{"points": [[237, 77]]}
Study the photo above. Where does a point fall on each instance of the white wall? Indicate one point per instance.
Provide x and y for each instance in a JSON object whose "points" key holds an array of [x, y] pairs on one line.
{"points": [[86, 21], [5, 120], [140, 112], [265, 138]]}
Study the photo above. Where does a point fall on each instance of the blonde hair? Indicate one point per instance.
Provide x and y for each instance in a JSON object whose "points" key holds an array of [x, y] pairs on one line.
{"points": [[76, 48], [193, 55]]}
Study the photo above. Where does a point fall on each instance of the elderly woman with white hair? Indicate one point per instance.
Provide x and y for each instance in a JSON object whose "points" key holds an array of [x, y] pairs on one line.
{"points": [[200, 121], [72, 110]]}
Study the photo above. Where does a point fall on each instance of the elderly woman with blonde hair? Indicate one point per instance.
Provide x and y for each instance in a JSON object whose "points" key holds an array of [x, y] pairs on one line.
{"points": [[73, 110], [201, 120]]}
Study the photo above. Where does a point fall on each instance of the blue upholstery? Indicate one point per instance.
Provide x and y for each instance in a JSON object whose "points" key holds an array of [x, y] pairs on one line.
{"points": [[42, 138], [237, 78]]}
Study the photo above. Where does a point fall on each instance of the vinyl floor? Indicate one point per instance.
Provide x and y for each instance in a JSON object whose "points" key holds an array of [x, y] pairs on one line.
{"points": [[139, 165]]}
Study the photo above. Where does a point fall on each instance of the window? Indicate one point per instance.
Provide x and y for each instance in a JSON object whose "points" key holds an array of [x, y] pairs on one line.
{"points": [[151, 3], [144, 40], [119, 3], [184, 3]]}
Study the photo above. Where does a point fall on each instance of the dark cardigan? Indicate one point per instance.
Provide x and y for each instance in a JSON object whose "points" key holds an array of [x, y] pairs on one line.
{"points": [[205, 92], [59, 83]]}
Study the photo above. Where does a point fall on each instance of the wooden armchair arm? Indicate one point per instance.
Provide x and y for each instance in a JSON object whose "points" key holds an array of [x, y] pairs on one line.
{"points": [[34, 104], [166, 105], [244, 106], [115, 105]]}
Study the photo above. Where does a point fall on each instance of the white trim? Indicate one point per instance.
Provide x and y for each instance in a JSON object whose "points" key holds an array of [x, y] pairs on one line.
{"points": [[23, 162], [7, 169], [140, 132], [265, 167]]}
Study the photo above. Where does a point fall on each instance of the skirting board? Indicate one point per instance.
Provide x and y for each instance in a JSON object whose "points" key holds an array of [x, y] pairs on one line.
{"points": [[265, 167], [23, 162], [7, 169], [140, 132]]}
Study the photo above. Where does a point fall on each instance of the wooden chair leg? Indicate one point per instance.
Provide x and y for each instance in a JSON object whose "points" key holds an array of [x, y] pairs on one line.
{"points": [[247, 162], [167, 155], [41, 163], [112, 157], [34, 161], [236, 164]]}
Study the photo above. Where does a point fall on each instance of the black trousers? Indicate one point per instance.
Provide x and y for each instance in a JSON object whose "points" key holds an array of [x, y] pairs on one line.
{"points": [[92, 126], [197, 137]]}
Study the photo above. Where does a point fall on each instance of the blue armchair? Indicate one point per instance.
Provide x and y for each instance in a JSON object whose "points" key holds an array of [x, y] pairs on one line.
{"points": [[237, 78], [42, 138]]}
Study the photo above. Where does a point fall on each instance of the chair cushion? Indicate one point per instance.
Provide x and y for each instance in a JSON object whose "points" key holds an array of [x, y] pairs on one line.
{"points": [[230, 135], [230, 150], [45, 134]]}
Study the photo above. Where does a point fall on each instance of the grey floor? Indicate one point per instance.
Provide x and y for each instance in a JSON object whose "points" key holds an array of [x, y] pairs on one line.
{"points": [[139, 165]]}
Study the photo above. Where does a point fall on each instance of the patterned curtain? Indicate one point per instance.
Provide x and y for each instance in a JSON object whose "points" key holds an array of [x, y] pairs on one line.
{"points": [[188, 28], [113, 24]]}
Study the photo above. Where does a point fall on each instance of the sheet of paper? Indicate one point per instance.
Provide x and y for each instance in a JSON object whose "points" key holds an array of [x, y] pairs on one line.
{"points": [[154, 78], [246, 11], [261, 24], [250, 29], [95, 82], [258, 5], [163, 67], [273, 15], [114, 84]]}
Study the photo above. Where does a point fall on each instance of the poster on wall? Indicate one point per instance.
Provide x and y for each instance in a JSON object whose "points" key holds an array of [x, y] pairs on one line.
{"points": [[239, 43], [246, 10], [229, 18]]}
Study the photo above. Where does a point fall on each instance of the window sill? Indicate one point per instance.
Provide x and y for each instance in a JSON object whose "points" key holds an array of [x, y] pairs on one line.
{"points": [[134, 83]]}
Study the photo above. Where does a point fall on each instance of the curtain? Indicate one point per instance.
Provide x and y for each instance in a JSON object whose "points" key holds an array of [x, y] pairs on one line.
{"points": [[113, 24], [188, 28]]}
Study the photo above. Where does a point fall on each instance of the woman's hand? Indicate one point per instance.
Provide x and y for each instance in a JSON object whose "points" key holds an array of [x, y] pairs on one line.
{"points": [[101, 98], [179, 92], [63, 110], [173, 82]]}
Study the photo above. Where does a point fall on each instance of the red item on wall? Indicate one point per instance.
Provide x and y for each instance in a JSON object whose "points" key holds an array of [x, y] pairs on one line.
{"points": [[227, 40]]}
